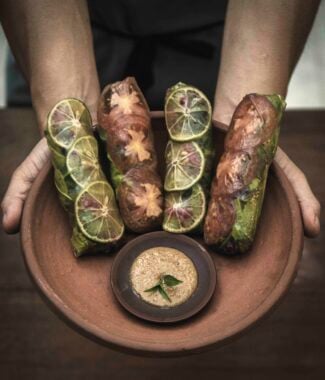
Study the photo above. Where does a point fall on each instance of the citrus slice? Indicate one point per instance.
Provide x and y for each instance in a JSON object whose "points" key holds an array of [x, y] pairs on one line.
{"points": [[63, 191], [82, 161], [66, 185], [187, 113], [68, 120], [184, 165], [65, 200], [60, 183], [58, 160], [184, 210], [97, 213]]}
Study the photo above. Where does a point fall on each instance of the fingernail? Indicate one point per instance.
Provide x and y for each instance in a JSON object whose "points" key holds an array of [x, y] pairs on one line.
{"points": [[316, 221]]}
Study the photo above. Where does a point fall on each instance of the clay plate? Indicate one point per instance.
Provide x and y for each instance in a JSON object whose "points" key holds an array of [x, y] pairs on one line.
{"points": [[249, 286], [192, 249]]}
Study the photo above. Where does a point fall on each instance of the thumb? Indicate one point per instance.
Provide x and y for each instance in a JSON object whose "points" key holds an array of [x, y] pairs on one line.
{"points": [[20, 184], [309, 205]]}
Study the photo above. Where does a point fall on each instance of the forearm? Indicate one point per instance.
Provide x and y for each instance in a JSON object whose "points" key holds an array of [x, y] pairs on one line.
{"points": [[52, 43], [261, 45]]}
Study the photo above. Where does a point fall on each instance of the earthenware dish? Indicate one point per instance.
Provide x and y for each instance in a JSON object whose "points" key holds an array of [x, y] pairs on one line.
{"points": [[249, 286]]}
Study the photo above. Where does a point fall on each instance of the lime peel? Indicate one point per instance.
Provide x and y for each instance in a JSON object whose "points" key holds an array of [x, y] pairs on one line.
{"points": [[96, 211], [182, 208]]}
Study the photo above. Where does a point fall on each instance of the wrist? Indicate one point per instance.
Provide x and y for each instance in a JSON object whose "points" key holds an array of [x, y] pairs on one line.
{"points": [[223, 109], [228, 97], [46, 92]]}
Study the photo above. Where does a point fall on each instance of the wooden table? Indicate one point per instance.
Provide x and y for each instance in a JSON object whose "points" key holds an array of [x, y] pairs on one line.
{"points": [[35, 344]]}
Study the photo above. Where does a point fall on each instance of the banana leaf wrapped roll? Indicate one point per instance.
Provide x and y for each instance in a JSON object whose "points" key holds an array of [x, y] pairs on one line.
{"points": [[81, 185], [238, 188], [189, 156], [125, 126]]}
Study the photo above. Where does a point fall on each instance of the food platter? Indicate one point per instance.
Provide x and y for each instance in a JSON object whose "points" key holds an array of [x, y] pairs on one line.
{"points": [[248, 286]]}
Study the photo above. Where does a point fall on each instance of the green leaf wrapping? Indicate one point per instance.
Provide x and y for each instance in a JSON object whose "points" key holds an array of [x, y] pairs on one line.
{"points": [[207, 145]]}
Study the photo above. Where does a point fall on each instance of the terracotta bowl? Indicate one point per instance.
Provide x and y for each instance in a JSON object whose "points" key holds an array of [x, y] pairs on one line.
{"points": [[248, 287]]}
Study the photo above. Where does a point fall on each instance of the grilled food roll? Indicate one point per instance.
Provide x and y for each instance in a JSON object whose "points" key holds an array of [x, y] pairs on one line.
{"points": [[124, 123], [81, 185], [237, 190]]}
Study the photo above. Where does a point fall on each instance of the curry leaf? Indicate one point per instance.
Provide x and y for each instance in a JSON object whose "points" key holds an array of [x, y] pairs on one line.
{"points": [[153, 289], [170, 280], [164, 294], [166, 280]]}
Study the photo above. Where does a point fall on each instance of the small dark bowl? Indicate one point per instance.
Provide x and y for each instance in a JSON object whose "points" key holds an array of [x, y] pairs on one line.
{"points": [[134, 304]]}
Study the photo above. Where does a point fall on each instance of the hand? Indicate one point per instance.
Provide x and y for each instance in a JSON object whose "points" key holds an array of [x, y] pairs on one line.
{"points": [[20, 184], [309, 205]]}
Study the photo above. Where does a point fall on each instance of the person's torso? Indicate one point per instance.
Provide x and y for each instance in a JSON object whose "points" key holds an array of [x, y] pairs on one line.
{"points": [[150, 17]]}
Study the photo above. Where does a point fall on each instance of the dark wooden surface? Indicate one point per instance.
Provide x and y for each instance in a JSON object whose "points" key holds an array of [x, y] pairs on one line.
{"points": [[35, 344]]}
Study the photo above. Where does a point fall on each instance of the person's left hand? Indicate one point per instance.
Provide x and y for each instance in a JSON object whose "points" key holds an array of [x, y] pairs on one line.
{"points": [[309, 204]]}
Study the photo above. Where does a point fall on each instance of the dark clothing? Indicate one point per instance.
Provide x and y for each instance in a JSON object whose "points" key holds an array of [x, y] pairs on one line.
{"points": [[140, 18], [158, 42]]}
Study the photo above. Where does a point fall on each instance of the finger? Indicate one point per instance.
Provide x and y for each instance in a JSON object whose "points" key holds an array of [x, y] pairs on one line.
{"points": [[20, 184], [310, 206], [221, 126]]}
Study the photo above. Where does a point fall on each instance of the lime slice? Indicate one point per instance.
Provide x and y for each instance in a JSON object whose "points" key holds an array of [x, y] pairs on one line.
{"points": [[68, 120], [97, 213], [66, 185], [58, 160], [82, 161], [63, 191], [187, 113], [51, 143], [65, 201], [60, 183], [184, 210], [184, 165]]}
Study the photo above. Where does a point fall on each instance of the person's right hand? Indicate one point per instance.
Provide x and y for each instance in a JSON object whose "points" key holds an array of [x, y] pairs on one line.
{"points": [[20, 184]]}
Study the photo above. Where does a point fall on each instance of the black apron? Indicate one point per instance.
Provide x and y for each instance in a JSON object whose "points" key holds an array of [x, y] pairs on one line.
{"points": [[159, 42]]}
